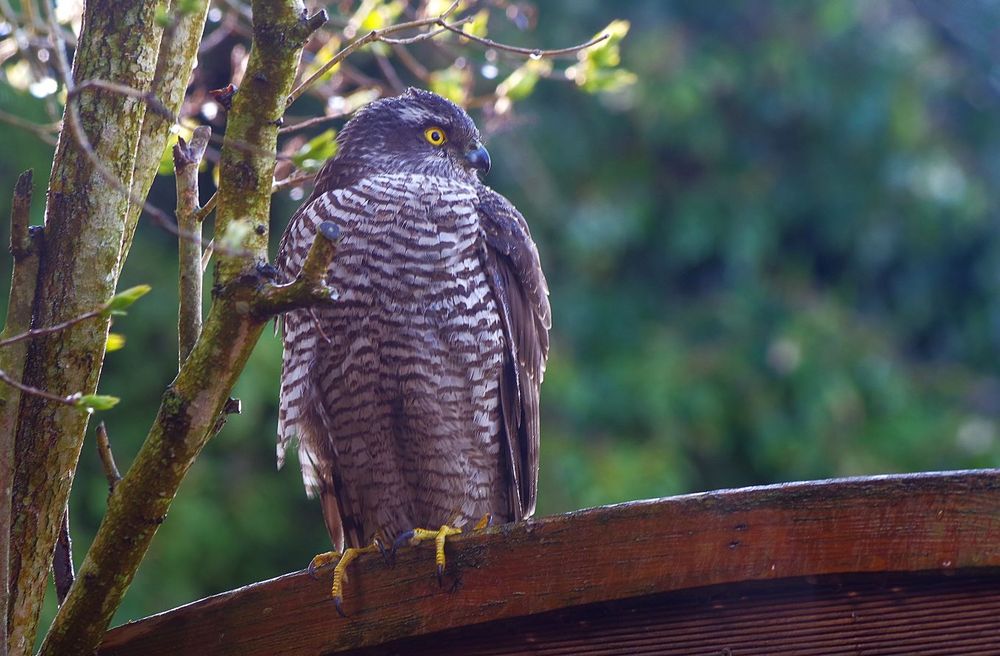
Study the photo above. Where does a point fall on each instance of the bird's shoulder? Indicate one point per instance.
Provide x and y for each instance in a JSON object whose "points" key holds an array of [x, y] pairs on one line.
{"points": [[506, 233]]}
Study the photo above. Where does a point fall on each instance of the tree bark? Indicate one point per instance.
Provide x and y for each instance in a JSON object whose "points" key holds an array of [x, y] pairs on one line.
{"points": [[25, 248], [178, 55], [193, 403], [85, 222]]}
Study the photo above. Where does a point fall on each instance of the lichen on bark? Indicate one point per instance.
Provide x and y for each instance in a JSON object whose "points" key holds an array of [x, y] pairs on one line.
{"points": [[84, 224], [194, 401]]}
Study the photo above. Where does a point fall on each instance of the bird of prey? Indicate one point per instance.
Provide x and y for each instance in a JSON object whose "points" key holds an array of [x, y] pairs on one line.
{"points": [[414, 396]]}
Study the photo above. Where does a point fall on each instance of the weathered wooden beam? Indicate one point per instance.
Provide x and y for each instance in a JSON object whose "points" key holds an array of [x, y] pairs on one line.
{"points": [[934, 522]]}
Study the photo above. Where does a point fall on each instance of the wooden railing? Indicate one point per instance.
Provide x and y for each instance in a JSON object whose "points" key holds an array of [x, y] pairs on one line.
{"points": [[905, 564]]}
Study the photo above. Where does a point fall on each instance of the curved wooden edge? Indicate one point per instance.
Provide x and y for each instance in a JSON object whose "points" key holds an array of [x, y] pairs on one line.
{"points": [[916, 522]]}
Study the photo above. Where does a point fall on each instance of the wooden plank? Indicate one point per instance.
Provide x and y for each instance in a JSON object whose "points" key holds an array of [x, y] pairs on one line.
{"points": [[921, 522], [870, 614]]}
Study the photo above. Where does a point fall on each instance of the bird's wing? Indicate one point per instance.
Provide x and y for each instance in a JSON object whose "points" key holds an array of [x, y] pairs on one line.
{"points": [[522, 296], [300, 415]]}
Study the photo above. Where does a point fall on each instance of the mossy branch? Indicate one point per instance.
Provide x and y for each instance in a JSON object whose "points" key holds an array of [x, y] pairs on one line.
{"points": [[192, 404], [177, 57], [309, 287], [85, 222]]}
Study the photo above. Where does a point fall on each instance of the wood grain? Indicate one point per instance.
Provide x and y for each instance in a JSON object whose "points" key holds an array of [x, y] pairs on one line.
{"points": [[935, 522], [869, 614]]}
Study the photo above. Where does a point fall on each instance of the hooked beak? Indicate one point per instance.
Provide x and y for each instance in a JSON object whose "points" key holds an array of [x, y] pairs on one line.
{"points": [[479, 159]]}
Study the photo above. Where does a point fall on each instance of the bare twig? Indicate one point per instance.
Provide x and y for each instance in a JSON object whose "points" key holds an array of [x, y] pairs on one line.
{"points": [[309, 123], [62, 559], [423, 36], [70, 400], [187, 158], [54, 328], [390, 73], [534, 53], [152, 102], [371, 37], [207, 208], [107, 458], [42, 131], [291, 181], [294, 180], [411, 63], [206, 257]]}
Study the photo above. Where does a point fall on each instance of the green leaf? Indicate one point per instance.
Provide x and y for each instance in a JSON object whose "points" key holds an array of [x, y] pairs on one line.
{"points": [[605, 80], [323, 55], [521, 82], [124, 299], [380, 16], [598, 68], [606, 54], [94, 402], [478, 25], [452, 83], [116, 342], [313, 153]]}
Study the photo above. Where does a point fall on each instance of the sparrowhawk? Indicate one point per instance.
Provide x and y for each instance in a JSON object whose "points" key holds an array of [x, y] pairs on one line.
{"points": [[414, 396]]}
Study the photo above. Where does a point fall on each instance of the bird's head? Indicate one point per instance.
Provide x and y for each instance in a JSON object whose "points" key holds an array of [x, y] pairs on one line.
{"points": [[416, 132]]}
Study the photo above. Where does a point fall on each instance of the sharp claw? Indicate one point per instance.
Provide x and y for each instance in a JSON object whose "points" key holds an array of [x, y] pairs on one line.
{"points": [[440, 574], [400, 540], [312, 572], [338, 603], [388, 556]]}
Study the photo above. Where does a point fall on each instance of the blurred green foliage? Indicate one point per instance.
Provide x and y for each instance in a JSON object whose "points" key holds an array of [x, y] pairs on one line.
{"points": [[774, 257]]}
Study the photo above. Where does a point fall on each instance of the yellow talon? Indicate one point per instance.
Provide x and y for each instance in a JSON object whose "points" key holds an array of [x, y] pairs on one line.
{"points": [[340, 570], [485, 522], [440, 535]]}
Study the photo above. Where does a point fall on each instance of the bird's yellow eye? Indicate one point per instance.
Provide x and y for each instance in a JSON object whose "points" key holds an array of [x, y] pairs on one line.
{"points": [[435, 136]]}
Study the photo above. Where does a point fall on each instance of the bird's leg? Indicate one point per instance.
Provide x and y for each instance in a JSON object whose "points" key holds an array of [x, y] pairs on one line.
{"points": [[418, 535], [340, 570]]}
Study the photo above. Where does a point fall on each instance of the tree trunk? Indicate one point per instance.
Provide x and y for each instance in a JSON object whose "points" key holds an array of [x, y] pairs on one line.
{"points": [[85, 221]]}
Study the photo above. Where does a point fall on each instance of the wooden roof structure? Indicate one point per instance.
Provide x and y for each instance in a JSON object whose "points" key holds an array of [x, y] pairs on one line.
{"points": [[902, 564]]}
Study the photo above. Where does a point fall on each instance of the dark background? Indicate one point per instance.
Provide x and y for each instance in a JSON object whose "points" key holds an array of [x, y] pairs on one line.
{"points": [[774, 257]]}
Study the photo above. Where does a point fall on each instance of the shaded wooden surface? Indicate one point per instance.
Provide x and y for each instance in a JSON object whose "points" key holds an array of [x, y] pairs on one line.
{"points": [[869, 614], [937, 522]]}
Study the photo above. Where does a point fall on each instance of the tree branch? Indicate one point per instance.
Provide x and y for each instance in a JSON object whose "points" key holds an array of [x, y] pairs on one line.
{"points": [[534, 53], [25, 249], [309, 287], [55, 328], [174, 65], [187, 159], [192, 404], [371, 37], [62, 560], [107, 458], [85, 220]]}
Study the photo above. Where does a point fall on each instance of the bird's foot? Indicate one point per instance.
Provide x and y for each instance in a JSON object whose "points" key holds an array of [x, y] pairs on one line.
{"points": [[340, 569], [418, 535]]}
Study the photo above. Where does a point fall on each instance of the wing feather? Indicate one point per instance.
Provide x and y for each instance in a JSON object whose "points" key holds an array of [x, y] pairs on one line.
{"points": [[301, 416], [522, 294]]}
